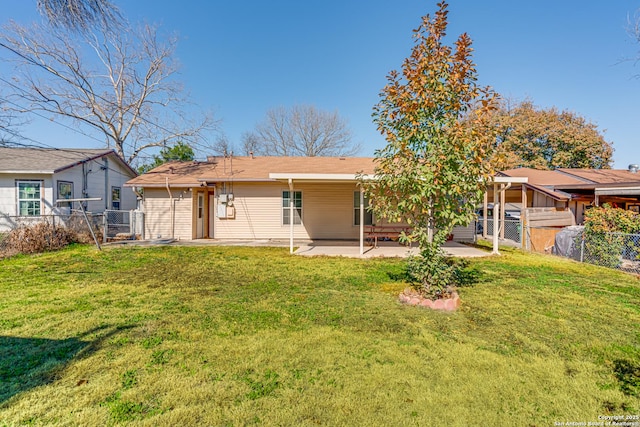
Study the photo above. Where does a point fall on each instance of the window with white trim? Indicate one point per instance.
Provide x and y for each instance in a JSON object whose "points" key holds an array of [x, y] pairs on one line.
{"points": [[297, 207], [65, 191], [29, 198], [115, 198], [368, 215]]}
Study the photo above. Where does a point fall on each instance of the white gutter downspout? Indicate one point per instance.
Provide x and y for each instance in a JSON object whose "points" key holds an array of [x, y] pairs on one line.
{"points": [[172, 209], [361, 222], [291, 221], [496, 212]]}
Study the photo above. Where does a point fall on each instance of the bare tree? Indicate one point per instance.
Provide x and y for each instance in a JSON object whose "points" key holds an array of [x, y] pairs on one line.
{"points": [[302, 131], [250, 143], [120, 84], [80, 15], [9, 125], [222, 146]]}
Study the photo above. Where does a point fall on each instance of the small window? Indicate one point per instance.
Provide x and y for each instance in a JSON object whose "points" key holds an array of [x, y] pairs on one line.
{"points": [[65, 191], [368, 215], [297, 207], [29, 198], [115, 198]]}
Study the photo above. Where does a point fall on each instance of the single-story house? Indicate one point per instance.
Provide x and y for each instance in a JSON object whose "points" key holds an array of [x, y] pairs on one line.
{"points": [[575, 189], [251, 197], [309, 198], [33, 179]]}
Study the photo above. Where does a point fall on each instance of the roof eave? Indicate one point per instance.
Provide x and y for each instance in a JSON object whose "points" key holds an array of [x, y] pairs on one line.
{"points": [[23, 172]]}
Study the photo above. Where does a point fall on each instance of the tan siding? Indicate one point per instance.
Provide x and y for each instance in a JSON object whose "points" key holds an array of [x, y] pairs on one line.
{"points": [[258, 214], [542, 201], [157, 208], [328, 211]]}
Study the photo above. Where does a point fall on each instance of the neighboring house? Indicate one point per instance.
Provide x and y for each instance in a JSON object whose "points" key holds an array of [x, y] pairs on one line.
{"points": [[32, 179], [576, 189]]}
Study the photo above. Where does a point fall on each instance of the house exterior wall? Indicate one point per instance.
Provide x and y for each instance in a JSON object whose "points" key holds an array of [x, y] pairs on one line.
{"points": [[116, 175], [99, 183], [9, 193], [327, 212], [158, 207], [542, 201]]}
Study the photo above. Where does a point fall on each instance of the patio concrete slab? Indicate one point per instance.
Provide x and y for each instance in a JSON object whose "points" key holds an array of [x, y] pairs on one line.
{"points": [[384, 249], [344, 248]]}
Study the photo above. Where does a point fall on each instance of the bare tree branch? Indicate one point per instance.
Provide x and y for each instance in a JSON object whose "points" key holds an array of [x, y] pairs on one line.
{"points": [[81, 15], [128, 92], [301, 131]]}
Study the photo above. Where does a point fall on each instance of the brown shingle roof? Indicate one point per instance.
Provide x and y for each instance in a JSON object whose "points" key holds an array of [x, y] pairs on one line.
{"points": [[560, 182], [604, 176], [543, 177], [248, 169]]}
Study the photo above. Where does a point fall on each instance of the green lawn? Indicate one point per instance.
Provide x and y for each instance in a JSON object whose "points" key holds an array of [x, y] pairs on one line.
{"points": [[244, 336]]}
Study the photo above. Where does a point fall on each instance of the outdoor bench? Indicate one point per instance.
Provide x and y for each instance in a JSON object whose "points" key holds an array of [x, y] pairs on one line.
{"points": [[373, 233]]}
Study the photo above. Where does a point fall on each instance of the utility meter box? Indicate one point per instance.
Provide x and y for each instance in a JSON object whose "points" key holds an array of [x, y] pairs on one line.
{"points": [[222, 211]]}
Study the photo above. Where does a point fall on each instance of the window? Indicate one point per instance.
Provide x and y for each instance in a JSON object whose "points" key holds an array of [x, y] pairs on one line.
{"points": [[297, 207], [29, 198], [65, 191], [368, 215], [115, 198]]}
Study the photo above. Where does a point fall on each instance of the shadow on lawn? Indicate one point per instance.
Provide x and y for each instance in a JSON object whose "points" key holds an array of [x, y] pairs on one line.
{"points": [[26, 363]]}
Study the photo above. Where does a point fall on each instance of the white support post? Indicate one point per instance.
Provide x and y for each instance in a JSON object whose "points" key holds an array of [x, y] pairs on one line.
{"points": [[485, 212], [361, 222], [503, 203], [523, 211], [291, 221], [496, 213]]}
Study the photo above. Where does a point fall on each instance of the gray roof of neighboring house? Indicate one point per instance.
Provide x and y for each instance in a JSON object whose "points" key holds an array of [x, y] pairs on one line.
{"points": [[49, 160]]}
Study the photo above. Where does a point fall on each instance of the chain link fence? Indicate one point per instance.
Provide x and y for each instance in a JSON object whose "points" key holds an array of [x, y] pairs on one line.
{"points": [[20, 234], [614, 250], [123, 225], [509, 230]]}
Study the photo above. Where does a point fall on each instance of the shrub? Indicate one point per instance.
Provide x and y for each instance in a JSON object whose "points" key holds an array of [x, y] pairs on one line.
{"points": [[42, 236], [603, 233], [432, 273]]}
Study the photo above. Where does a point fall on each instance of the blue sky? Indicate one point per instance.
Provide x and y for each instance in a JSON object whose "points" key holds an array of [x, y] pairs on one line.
{"points": [[240, 58]]}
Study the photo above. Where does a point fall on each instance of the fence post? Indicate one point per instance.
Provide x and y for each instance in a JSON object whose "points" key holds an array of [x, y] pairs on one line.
{"points": [[105, 226], [582, 248]]}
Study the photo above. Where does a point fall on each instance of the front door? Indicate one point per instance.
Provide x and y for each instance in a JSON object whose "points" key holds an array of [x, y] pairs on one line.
{"points": [[200, 217]]}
